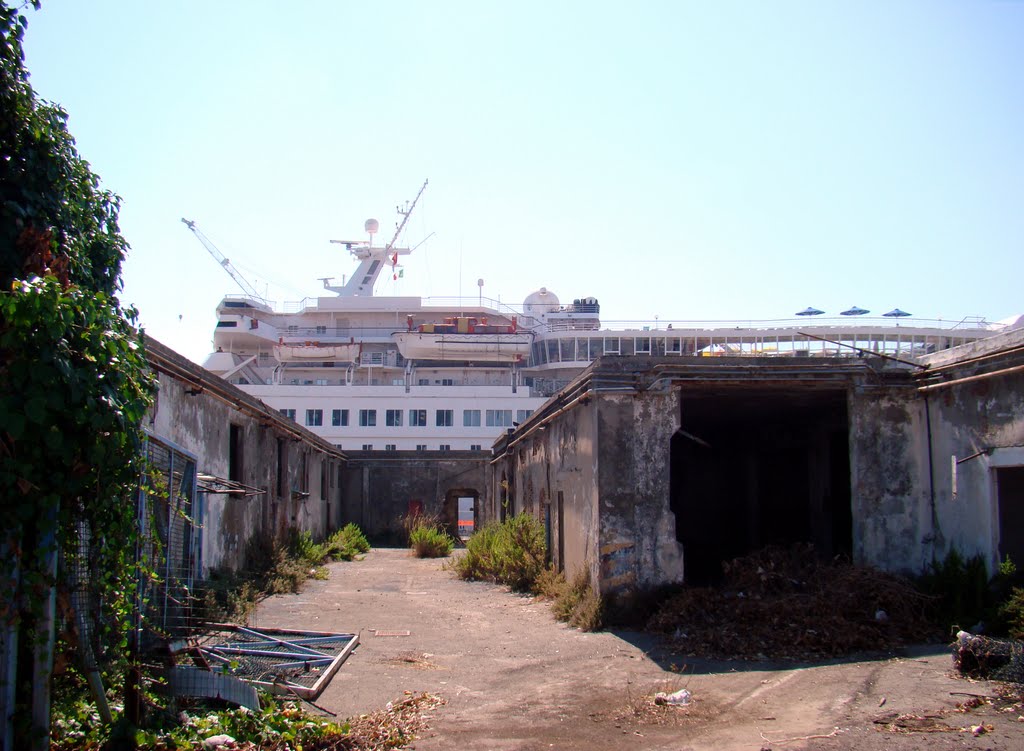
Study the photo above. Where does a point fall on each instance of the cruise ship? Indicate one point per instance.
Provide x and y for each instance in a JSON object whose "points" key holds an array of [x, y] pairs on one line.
{"points": [[392, 373]]}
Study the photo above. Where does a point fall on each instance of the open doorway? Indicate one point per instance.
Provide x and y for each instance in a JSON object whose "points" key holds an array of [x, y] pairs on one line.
{"points": [[461, 514], [752, 467], [1010, 495]]}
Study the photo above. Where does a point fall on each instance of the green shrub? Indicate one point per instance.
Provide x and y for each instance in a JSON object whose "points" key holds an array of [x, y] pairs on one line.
{"points": [[346, 544], [429, 541], [1012, 613], [301, 546], [511, 552]]}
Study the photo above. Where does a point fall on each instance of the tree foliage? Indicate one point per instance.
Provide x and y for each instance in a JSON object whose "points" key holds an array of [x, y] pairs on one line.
{"points": [[74, 386]]}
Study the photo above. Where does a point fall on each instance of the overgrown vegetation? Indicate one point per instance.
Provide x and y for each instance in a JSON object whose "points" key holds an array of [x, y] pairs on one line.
{"points": [[427, 536], [574, 602], [513, 553], [966, 598], [74, 383], [510, 552], [273, 567], [278, 726]]}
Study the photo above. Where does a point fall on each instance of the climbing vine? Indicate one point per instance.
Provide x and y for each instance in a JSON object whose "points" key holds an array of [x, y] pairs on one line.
{"points": [[74, 384]]}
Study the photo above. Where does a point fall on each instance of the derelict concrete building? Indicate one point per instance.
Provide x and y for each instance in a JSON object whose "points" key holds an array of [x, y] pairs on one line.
{"points": [[250, 470], [653, 470]]}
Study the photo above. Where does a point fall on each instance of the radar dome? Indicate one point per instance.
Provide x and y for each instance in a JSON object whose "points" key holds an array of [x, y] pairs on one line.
{"points": [[540, 302], [371, 226]]}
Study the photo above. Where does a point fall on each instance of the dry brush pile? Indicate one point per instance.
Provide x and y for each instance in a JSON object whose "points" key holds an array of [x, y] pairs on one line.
{"points": [[787, 603]]}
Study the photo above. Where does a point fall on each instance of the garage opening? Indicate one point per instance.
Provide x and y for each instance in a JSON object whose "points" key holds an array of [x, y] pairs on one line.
{"points": [[755, 467]]}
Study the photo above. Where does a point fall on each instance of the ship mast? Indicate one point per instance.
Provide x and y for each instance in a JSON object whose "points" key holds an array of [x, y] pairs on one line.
{"points": [[372, 260]]}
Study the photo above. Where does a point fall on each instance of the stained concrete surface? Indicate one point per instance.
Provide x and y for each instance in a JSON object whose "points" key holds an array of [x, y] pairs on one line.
{"points": [[514, 678]]}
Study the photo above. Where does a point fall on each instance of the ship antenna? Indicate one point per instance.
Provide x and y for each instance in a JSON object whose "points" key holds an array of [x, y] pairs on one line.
{"points": [[405, 215]]}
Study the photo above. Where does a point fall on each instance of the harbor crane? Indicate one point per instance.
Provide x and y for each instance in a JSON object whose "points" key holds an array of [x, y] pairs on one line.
{"points": [[241, 281]]}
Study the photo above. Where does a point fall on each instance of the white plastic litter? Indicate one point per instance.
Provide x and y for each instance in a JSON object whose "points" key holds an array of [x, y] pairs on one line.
{"points": [[680, 698]]}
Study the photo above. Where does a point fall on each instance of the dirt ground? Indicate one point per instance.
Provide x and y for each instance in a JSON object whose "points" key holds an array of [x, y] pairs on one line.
{"points": [[514, 678]]}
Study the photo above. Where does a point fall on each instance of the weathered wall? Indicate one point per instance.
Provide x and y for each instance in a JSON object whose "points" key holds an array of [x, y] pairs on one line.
{"points": [[638, 546], [379, 488], [296, 484], [892, 519], [983, 419], [552, 475]]}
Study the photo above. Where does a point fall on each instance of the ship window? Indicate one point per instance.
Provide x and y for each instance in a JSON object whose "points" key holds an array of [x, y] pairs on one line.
{"points": [[397, 381], [293, 329], [471, 418], [521, 415], [643, 345], [339, 417], [568, 348], [393, 418], [373, 266], [289, 413], [314, 417], [553, 350], [447, 382], [444, 418], [367, 447], [423, 382], [417, 418], [445, 447], [321, 381], [368, 418], [474, 447], [611, 345], [499, 418], [421, 447], [389, 447], [321, 329], [674, 345]]}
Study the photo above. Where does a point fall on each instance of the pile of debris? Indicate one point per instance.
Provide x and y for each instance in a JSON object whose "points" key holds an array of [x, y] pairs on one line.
{"points": [[979, 656], [788, 603]]}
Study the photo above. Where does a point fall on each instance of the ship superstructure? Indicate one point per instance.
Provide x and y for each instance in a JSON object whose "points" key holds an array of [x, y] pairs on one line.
{"points": [[370, 372]]}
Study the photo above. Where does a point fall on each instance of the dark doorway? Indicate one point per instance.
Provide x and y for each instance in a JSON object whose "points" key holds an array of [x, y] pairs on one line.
{"points": [[1010, 490], [755, 467]]}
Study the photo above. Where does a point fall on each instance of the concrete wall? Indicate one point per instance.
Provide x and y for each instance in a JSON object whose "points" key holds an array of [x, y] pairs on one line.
{"points": [[638, 546], [892, 517], [379, 488], [195, 411], [552, 475], [981, 423], [903, 444]]}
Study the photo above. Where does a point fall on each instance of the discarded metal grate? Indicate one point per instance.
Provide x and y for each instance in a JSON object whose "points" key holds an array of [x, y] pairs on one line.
{"points": [[379, 632], [283, 661]]}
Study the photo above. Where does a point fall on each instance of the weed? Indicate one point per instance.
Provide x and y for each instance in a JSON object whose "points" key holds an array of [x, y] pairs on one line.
{"points": [[511, 552], [427, 537], [576, 602]]}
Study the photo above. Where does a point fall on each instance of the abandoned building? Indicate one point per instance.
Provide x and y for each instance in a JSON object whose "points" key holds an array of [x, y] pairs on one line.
{"points": [[244, 469], [654, 470]]}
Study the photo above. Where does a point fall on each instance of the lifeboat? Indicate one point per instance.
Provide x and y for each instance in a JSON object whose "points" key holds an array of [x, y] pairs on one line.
{"points": [[311, 351], [464, 338]]}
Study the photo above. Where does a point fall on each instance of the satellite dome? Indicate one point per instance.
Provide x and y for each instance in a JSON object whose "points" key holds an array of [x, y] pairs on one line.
{"points": [[371, 226], [540, 302]]}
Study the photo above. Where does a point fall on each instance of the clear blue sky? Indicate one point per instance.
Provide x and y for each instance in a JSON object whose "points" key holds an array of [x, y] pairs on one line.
{"points": [[688, 160]]}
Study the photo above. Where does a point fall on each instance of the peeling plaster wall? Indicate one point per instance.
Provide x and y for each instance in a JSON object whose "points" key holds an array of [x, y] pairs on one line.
{"points": [[552, 474], [892, 520], [200, 424], [967, 419], [379, 488], [638, 545]]}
